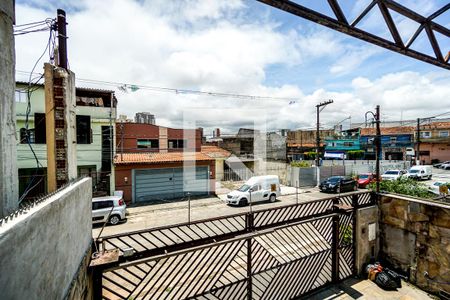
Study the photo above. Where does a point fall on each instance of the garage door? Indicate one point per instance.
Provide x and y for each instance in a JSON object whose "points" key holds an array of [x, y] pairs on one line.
{"points": [[169, 183]]}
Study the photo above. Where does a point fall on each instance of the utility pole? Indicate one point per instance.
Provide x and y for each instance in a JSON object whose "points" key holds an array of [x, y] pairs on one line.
{"points": [[418, 142], [62, 38], [319, 108], [377, 118]]}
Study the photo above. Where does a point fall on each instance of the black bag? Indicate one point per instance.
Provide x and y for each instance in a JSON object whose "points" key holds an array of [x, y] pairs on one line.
{"points": [[384, 281], [394, 276]]}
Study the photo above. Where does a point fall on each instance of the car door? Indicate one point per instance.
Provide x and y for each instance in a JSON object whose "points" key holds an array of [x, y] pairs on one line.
{"points": [[345, 185], [103, 209], [96, 214], [257, 194]]}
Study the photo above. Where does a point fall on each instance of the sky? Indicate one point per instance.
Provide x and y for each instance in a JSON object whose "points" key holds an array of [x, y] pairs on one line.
{"points": [[240, 47]]}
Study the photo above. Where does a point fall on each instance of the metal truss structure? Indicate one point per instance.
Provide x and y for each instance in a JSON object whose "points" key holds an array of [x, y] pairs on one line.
{"points": [[340, 23]]}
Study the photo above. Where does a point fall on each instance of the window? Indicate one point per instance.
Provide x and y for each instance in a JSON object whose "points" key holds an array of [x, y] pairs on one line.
{"points": [[443, 133], [176, 144], [39, 129], [425, 134], [21, 96], [146, 143], [84, 130], [102, 204], [348, 144], [393, 139], [23, 136]]}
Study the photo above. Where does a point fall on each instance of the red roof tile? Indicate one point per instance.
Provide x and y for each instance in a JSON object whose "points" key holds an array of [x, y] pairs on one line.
{"points": [[215, 152], [152, 158], [388, 130]]}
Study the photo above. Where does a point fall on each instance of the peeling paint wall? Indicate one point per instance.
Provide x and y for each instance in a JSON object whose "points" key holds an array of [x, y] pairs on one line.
{"points": [[415, 237], [43, 252], [8, 163]]}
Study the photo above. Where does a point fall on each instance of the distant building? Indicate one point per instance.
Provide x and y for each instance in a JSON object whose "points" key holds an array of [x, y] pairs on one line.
{"points": [[144, 118], [434, 142], [216, 133], [301, 141]]}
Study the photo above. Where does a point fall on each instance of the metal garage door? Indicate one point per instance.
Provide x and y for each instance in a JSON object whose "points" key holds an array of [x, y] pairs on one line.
{"points": [[169, 183]]}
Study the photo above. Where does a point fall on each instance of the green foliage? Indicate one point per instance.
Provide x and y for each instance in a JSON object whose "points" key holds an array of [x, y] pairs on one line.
{"points": [[355, 154], [404, 186], [301, 164], [347, 235], [309, 155]]}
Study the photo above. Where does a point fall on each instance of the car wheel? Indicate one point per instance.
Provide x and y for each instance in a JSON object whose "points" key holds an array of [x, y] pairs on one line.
{"points": [[429, 177], [114, 220], [273, 198], [243, 202]]}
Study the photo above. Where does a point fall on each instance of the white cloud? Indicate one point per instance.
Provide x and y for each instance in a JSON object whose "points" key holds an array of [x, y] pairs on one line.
{"points": [[212, 46]]}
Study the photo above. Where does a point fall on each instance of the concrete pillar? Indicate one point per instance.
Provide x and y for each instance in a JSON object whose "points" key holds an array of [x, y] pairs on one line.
{"points": [[9, 187], [60, 108]]}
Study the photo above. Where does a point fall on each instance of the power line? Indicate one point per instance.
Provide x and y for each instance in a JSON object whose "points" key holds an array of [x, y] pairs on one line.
{"points": [[179, 91]]}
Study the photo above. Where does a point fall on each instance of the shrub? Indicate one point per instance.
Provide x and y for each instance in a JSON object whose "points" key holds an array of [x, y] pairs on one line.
{"points": [[301, 164], [404, 186], [309, 155], [355, 154]]}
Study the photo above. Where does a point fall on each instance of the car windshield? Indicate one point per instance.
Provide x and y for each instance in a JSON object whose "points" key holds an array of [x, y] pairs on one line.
{"points": [[391, 173], [413, 171], [334, 179], [438, 183], [365, 176], [244, 188]]}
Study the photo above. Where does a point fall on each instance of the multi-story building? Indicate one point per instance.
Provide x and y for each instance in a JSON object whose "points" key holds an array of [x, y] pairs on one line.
{"points": [[397, 142], [144, 118], [342, 145], [434, 142], [155, 162], [301, 141], [95, 119]]}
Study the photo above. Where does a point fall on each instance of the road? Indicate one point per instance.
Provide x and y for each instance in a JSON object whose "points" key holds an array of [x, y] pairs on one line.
{"points": [[149, 216]]}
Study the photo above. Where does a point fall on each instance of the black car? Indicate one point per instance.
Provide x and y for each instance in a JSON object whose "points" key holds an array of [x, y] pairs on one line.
{"points": [[338, 184]]}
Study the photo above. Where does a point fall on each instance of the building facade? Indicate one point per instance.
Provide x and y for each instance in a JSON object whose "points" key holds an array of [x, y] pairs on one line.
{"points": [[300, 142], [95, 119], [434, 142], [397, 143], [155, 163]]}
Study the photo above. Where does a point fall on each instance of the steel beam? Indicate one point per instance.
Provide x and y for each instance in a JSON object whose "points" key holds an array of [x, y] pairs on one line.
{"points": [[314, 16]]}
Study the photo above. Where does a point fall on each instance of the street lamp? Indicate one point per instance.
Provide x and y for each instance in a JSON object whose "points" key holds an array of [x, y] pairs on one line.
{"points": [[319, 108], [377, 118]]}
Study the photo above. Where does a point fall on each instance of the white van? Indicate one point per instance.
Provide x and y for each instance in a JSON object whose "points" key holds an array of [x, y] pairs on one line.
{"points": [[262, 188], [420, 172]]}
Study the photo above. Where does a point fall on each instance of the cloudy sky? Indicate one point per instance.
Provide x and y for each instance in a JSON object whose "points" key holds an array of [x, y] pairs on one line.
{"points": [[240, 47]]}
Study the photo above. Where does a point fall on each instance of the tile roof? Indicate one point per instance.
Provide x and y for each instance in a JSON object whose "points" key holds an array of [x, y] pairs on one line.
{"points": [[154, 158], [388, 130], [436, 125], [215, 152]]}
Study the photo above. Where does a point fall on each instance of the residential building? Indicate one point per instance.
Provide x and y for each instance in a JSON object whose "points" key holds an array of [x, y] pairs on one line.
{"points": [[155, 163], [301, 141], [219, 155], [95, 119], [397, 142], [341, 145], [144, 118], [434, 142]]}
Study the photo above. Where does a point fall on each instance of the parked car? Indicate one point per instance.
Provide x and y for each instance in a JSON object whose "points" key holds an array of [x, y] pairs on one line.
{"points": [[111, 209], [438, 165], [256, 189], [420, 172], [392, 174], [445, 166], [365, 178], [338, 184], [434, 188]]}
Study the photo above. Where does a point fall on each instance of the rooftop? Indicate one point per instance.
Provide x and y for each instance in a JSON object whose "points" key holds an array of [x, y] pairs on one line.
{"points": [[389, 130], [215, 152], [154, 158]]}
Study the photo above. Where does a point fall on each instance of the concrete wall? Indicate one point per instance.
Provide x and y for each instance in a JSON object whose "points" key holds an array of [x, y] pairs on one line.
{"points": [[415, 237], [8, 162], [43, 251], [367, 236]]}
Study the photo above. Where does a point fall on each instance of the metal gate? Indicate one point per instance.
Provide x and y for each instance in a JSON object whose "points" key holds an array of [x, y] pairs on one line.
{"points": [[169, 183], [279, 253]]}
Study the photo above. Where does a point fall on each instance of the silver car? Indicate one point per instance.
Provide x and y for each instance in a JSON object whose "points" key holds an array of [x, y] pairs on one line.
{"points": [[110, 209]]}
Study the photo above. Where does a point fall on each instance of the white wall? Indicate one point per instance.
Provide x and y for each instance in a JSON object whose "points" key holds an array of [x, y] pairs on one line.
{"points": [[41, 251]]}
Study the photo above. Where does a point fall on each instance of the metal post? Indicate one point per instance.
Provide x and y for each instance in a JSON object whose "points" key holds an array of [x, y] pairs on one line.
{"points": [[250, 200], [97, 274], [318, 110], [189, 208], [354, 226], [62, 38], [378, 147], [249, 269], [296, 193], [335, 249]]}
